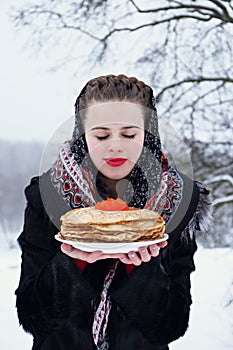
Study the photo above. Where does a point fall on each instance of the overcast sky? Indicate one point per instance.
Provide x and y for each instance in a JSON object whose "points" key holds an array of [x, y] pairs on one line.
{"points": [[34, 101]]}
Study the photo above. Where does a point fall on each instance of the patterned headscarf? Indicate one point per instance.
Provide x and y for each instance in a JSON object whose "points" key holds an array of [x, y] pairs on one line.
{"points": [[152, 183]]}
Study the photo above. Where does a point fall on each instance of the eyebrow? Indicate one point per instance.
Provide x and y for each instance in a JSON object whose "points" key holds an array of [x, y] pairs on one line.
{"points": [[123, 128]]}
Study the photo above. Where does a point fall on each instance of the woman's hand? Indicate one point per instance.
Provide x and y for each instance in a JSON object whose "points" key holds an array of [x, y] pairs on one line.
{"points": [[82, 255], [144, 254]]}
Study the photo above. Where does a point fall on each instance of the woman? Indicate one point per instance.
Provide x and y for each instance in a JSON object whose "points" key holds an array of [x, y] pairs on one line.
{"points": [[71, 299]]}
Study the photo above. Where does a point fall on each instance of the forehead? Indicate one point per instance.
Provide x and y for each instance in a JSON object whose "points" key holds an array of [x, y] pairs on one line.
{"points": [[112, 113]]}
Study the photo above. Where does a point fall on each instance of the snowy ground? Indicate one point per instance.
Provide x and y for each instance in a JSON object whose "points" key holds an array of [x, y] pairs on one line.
{"points": [[211, 323]]}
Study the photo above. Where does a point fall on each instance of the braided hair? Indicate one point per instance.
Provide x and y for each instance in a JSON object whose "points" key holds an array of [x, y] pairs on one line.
{"points": [[115, 87], [145, 177]]}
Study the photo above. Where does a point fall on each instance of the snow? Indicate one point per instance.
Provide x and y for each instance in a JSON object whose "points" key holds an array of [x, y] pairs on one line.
{"points": [[211, 320], [11, 335]]}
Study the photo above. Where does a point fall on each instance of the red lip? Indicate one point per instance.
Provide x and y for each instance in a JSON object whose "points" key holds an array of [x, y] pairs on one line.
{"points": [[115, 161]]}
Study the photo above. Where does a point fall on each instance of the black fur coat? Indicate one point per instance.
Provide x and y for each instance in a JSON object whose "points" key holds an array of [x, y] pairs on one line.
{"points": [[54, 300]]}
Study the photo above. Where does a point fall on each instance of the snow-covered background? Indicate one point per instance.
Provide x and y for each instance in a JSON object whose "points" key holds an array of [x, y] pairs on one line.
{"points": [[211, 323], [35, 103]]}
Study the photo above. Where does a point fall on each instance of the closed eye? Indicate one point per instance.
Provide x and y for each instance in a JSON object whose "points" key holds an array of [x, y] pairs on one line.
{"points": [[130, 136], [102, 137]]}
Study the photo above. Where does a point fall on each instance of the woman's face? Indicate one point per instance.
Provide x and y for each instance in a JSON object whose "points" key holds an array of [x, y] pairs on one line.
{"points": [[114, 134]]}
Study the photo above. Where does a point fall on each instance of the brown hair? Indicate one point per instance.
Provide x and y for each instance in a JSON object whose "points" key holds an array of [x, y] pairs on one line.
{"points": [[116, 88]]}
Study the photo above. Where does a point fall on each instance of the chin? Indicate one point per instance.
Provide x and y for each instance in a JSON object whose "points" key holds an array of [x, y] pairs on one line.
{"points": [[114, 174]]}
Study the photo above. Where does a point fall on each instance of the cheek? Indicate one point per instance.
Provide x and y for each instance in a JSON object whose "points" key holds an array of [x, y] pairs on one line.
{"points": [[91, 143], [135, 150], [95, 150], [139, 143]]}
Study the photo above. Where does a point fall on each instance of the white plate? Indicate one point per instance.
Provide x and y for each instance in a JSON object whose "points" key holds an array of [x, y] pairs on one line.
{"points": [[111, 248]]}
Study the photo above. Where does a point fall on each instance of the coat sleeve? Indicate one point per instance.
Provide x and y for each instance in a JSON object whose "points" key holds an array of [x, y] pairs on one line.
{"points": [[51, 288], [156, 299]]}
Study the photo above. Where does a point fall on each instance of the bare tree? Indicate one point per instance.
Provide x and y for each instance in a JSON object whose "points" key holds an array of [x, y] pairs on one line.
{"points": [[183, 47], [186, 45]]}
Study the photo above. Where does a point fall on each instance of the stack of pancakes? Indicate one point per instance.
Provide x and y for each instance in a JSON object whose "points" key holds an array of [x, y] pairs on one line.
{"points": [[94, 225]]}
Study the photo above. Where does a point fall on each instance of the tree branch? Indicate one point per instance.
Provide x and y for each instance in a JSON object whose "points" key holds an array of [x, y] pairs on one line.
{"points": [[220, 178], [155, 23], [192, 8], [219, 4], [206, 14], [192, 80], [60, 17], [223, 200]]}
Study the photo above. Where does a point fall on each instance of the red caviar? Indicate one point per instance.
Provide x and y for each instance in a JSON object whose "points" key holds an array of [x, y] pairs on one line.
{"points": [[111, 204]]}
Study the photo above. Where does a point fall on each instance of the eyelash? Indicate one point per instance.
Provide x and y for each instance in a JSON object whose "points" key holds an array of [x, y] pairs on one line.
{"points": [[130, 136], [100, 138]]}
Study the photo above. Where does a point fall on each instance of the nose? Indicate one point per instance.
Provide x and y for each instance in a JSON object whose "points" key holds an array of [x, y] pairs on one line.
{"points": [[115, 145]]}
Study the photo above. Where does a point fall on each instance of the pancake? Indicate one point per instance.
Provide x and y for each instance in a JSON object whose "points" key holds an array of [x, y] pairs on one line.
{"points": [[95, 225]]}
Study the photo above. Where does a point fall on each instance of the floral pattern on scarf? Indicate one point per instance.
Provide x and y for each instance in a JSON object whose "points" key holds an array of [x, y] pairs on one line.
{"points": [[74, 183]]}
